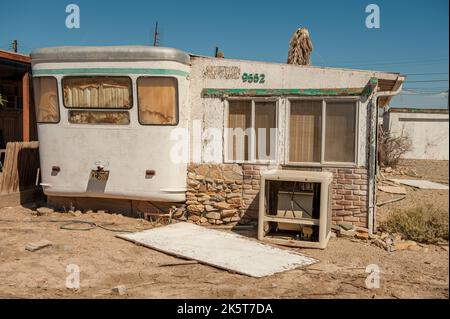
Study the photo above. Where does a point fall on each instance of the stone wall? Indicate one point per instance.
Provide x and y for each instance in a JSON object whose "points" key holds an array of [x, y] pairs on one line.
{"points": [[228, 193], [214, 194]]}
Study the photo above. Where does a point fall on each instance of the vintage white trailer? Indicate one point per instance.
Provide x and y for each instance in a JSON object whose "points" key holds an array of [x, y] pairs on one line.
{"points": [[110, 122]]}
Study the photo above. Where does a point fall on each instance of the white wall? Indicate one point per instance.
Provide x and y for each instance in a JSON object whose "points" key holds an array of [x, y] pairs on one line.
{"points": [[211, 110], [428, 132]]}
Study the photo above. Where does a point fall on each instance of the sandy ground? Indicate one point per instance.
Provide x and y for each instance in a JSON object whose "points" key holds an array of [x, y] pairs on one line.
{"points": [[106, 261], [436, 171]]}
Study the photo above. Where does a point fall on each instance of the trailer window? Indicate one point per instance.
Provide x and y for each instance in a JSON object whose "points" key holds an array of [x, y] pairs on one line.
{"points": [[110, 92], [46, 99], [157, 100], [99, 117]]}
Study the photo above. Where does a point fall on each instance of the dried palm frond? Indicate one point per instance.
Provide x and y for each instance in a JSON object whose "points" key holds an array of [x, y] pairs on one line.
{"points": [[300, 48]]}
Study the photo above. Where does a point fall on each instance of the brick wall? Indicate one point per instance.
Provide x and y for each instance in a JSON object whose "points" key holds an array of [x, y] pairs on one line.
{"points": [[349, 194], [226, 193]]}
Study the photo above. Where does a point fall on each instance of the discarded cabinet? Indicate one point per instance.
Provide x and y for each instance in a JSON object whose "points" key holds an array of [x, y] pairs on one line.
{"points": [[294, 208]]}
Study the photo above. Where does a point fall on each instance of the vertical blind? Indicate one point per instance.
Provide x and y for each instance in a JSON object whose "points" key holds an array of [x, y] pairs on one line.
{"points": [[239, 117], [340, 130], [305, 131], [265, 123]]}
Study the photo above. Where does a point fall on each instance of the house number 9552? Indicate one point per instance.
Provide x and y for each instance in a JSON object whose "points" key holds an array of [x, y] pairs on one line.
{"points": [[253, 77]]}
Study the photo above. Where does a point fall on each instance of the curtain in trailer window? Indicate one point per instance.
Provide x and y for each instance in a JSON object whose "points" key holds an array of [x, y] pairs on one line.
{"points": [[97, 92], [157, 100], [239, 120], [46, 99], [265, 124], [340, 130], [305, 125]]}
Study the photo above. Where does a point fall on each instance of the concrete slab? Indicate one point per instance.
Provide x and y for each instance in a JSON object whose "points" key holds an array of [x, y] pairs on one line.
{"points": [[220, 249], [422, 184]]}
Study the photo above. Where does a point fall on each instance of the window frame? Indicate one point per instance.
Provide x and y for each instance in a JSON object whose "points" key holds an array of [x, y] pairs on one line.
{"points": [[252, 141], [177, 100], [57, 99], [322, 162], [98, 108]]}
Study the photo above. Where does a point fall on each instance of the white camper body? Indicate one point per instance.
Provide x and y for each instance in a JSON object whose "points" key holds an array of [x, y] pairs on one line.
{"points": [[127, 152]]}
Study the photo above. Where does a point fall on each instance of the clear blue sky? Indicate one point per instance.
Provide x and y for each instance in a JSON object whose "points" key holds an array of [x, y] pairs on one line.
{"points": [[413, 37]]}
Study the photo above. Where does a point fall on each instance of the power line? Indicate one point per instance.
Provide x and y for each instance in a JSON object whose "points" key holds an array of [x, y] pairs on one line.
{"points": [[431, 73], [426, 81], [395, 60]]}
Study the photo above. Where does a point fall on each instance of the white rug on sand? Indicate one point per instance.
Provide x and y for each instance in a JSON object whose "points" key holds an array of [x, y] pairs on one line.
{"points": [[220, 249]]}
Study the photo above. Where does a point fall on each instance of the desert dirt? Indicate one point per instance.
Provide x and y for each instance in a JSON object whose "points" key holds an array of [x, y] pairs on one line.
{"points": [[106, 261]]}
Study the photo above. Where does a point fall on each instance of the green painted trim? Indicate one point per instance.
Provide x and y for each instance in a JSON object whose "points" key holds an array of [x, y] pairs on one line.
{"points": [[366, 91], [109, 71]]}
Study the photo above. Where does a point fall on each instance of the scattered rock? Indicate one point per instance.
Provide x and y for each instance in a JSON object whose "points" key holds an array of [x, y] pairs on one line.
{"points": [[38, 245], [119, 290], [361, 234], [346, 226], [43, 211], [347, 233]]}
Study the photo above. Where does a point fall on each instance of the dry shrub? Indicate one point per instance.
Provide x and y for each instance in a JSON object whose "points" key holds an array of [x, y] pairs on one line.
{"points": [[392, 148], [424, 224]]}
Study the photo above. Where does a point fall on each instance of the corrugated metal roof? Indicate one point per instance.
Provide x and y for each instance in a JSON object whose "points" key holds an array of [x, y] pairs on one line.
{"points": [[109, 53]]}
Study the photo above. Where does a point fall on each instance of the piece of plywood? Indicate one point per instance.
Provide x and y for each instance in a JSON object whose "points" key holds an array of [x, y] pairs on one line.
{"points": [[422, 184], [392, 189], [220, 249], [38, 245]]}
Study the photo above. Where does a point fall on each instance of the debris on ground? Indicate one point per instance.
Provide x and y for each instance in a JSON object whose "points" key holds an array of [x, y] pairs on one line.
{"points": [[76, 213], [386, 241], [392, 189], [391, 201], [42, 211], [422, 184], [231, 251], [119, 290], [38, 245], [179, 263]]}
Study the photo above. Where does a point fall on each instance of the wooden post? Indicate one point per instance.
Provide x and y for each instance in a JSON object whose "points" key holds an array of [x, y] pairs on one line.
{"points": [[26, 107]]}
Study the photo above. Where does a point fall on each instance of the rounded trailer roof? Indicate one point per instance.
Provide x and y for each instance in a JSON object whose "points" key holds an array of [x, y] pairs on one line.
{"points": [[109, 53]]}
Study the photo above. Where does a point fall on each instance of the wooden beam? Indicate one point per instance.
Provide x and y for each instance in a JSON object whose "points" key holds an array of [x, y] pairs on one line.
{"points": [[15, 57], [26, 107]]}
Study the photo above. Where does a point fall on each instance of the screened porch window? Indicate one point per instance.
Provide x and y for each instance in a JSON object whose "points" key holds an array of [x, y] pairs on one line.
{"points": [[340, 132], [109, 92], [251, 131], [322, 131], [46, 99], [305, 131]]}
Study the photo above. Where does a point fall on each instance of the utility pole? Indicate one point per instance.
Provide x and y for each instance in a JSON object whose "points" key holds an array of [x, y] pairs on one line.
{"points": [[156, 36], [14, 46]]}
